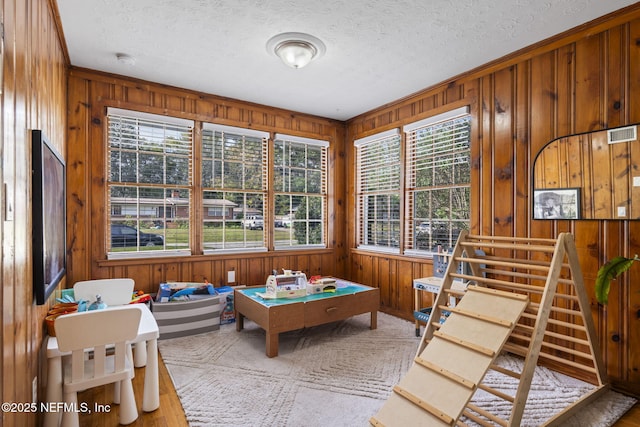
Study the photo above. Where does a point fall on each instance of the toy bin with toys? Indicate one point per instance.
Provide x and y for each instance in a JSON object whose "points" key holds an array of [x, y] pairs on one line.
{"points": [[186, 308]]}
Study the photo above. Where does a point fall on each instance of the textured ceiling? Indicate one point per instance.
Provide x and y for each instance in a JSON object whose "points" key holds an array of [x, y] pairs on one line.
{"points": [[377, 51]]}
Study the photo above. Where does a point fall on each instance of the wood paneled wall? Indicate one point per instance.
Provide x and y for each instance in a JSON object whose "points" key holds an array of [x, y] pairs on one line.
{"points": [[90, 93], [33, 97], [577, 82]]}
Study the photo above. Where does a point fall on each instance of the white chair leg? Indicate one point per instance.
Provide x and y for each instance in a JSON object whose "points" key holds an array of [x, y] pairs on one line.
{"points": [[70, 418], [116, 392], [128, 409], [140, 355], [130, 356]]}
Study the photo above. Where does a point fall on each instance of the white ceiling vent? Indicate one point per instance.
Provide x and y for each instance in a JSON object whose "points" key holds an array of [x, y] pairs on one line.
{"points": [[625, 134]]}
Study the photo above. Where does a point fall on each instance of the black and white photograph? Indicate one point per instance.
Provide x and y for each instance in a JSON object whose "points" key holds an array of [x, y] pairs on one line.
{"points": [[559, 203]]}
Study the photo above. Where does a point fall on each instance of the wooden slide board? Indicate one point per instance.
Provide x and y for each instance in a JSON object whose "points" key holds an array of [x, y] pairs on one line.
{"points": [[445, 375]]}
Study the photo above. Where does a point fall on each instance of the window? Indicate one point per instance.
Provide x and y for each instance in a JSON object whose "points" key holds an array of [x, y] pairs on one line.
{"points": [[242, 202], [234, 187], [378, 191], [438, 180], [300, 187], [149, 180]]}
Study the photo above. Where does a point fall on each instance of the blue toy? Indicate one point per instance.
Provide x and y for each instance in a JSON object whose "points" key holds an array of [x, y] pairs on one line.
{"points": [[208, 289]]}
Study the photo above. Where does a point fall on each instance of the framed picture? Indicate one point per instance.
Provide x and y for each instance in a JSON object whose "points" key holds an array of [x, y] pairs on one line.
{"points": [[556, 203], [48, 216]]}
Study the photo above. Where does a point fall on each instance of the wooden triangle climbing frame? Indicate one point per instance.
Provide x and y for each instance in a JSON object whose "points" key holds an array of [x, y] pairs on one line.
{"points": [[524, 296]]}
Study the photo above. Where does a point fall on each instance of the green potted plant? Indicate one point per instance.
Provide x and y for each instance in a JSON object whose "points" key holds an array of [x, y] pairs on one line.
{"points": [[612, 269]]}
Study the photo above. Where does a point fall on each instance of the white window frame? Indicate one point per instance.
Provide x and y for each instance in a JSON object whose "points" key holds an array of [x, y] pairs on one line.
{"points": [[282, 174], [246, 244], [185, 188], [416, 153], [384, 175]]}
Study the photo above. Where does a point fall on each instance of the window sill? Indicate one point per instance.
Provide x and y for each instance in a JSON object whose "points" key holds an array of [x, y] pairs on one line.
{"points": [[146, 254]]}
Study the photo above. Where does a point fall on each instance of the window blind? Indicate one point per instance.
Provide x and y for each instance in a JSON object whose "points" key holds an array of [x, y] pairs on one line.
{"points": [[149, 170], [234, 179], [438, 179], [378, 163], [234, 158], [144, 148], [378, 190]]}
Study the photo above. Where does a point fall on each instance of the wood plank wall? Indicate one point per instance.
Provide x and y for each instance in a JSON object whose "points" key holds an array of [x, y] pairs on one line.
{"points": [[580, 81], [33, 97], [90, 93]]}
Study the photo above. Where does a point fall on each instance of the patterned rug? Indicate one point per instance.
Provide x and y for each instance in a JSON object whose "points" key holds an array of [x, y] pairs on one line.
{"points": [[338, 374]]}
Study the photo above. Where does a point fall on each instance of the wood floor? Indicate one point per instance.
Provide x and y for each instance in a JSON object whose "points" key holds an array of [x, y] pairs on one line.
{"points": [[171, 414]]}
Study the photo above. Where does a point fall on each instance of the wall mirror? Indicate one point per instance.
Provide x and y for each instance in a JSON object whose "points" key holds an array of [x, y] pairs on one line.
{"points": [[593, 175]]}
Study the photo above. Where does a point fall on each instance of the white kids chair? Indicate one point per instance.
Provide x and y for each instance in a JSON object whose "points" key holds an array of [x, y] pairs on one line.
{"points": [[112, 291], [98, 331]]}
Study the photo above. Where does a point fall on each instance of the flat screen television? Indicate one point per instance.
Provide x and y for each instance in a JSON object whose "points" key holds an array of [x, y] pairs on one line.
{"points": [[48, 216]]}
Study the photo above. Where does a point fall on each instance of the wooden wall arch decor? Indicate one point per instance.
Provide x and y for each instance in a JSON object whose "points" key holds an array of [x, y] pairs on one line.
{"points": [[603, 166], [526, 297]]}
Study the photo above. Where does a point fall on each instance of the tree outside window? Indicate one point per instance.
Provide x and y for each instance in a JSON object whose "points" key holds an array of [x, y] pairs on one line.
{"points": [[438, 181], [234, 181], [300, 169]]}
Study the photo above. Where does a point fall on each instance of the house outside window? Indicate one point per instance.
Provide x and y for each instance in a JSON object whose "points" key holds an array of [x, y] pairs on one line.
{"points": [[378, 191], [149, 174], [234, 181], [437, 181], [300, 188]]}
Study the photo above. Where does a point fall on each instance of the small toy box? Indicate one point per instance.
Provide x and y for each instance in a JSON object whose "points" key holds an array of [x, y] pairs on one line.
{"points": [[201, 313]]}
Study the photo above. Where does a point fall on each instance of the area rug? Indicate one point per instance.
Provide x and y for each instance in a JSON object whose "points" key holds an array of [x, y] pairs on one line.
{"points": [[338, 374]]}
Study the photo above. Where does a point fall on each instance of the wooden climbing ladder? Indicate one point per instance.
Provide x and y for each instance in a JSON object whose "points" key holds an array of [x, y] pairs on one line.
{"points": [[526, 297]]}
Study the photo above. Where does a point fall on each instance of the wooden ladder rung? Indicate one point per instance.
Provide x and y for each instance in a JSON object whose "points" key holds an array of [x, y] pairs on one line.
{"points": [[504, 294], [505, 371], [513, 247], [471, 346], [497, 393], [424, 405], [445, 373], [575, 340], [496, 283], [485, 238], [486, 414], [480, 421], [479, 316], [510, 263], [455, 292]]}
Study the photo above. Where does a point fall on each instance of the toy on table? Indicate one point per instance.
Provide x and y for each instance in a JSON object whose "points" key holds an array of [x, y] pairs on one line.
{"points": [[288, 285], [319, 284], [139, 297]]}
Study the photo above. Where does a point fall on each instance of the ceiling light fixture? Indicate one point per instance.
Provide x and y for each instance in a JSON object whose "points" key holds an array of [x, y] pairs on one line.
{"points": [[296, 49], [123, 58]]}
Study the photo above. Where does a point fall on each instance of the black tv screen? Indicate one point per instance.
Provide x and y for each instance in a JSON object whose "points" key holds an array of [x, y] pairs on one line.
{"points": [[48, 216]]}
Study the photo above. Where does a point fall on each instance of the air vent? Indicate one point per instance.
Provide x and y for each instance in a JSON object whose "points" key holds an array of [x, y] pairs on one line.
{"points": [[622, 134]]}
